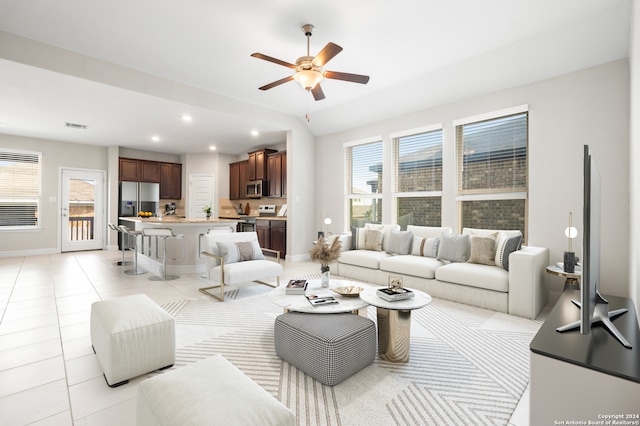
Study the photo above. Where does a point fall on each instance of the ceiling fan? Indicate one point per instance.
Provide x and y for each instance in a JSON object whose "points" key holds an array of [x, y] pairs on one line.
{"points": [[309, 72]]}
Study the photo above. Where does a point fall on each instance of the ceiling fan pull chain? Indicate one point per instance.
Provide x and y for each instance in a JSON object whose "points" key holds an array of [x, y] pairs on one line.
{"points": [[307, 114]]}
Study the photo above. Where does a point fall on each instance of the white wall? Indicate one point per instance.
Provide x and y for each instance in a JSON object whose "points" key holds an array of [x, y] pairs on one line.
{"points": [[634, 159], [54, 155], [586, 107]]}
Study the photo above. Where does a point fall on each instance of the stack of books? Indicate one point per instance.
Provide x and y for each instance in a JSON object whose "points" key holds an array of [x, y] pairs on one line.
{"points": [[394, 294], [296, 287], [321, 299]]}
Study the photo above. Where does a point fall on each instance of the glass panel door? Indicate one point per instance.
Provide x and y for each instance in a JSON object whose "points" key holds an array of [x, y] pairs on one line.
{"points": [[81, 215]]}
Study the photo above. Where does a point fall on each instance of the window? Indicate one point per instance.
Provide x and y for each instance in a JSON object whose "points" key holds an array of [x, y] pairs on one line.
{"points": [[364, 182], [19, 188], [492, 172], [417, 163]]}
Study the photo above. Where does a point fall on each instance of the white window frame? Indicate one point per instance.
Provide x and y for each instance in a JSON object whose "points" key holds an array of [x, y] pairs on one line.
{"points": [[394, 140], [496, 195], [38, 226], [347, 173]]}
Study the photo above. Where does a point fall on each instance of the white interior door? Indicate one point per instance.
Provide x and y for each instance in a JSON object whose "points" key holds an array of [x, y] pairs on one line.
{"points": [[201, 192], [82, 210]]}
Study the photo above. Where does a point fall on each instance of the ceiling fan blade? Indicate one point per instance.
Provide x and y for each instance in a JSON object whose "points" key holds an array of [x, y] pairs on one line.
{"points": [[354, 78], [274, 60], [326, 54], [317, 92], [276, 83]]}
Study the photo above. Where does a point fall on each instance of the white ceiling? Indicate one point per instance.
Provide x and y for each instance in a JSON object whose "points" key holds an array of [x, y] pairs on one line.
{"points": [[193, 56]]}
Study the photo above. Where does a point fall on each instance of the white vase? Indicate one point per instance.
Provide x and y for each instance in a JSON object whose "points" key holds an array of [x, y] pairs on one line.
{"points": [[325, 277]]}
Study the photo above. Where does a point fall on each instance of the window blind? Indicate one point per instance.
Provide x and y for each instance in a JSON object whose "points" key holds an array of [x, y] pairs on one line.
{"points": [[492, 155], [418, 162], [364, 166], [19, 188]]}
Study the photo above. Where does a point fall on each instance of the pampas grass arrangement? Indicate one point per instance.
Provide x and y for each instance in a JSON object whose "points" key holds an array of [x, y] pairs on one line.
{"points": [[324, 253]]}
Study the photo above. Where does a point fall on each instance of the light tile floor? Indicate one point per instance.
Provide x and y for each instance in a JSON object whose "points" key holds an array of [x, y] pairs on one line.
{"points": [[49, 374]]}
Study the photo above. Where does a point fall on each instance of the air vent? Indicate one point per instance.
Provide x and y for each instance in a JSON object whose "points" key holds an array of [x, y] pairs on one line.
{"points": [[76, 126]]}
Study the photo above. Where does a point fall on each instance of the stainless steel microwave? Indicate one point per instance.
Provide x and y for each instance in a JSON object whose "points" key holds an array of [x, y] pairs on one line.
{"points": [[256, 188]]}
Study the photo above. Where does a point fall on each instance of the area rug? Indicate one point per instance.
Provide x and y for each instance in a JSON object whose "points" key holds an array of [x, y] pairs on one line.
{"points": [[468, 366]]}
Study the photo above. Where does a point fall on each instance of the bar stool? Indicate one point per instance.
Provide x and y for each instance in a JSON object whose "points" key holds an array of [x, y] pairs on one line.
{"points": [[122, 246], [164, 234], [135, 235]]}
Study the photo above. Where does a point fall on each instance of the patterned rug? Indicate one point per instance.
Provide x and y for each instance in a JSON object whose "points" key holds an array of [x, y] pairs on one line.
{"points": [[468, 366]]}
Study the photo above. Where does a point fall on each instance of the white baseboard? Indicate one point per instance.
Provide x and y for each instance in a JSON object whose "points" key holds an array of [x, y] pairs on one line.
{"points": [[298, 257], [22, 253]]}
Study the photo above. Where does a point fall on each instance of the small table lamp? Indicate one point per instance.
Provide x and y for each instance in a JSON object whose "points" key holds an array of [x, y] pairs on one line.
{"points": [[327, 222], [570, 259]]}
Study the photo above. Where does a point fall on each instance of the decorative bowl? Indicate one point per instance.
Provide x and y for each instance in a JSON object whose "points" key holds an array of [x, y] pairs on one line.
{"points": [[348, 291]]}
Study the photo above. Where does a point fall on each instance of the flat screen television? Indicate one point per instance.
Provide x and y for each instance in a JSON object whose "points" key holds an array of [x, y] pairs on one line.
{"points": [[593, 307]]}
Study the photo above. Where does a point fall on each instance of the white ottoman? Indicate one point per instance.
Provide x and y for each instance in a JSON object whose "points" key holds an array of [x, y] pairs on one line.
{"points": [[131, 336], [208, 392]]}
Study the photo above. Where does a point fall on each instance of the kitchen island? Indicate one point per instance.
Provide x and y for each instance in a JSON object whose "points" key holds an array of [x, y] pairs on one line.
{"points": [[190, 228]]}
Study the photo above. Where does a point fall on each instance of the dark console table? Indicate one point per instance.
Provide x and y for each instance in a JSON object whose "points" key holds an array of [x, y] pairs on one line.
{"points": [[585, 377]]}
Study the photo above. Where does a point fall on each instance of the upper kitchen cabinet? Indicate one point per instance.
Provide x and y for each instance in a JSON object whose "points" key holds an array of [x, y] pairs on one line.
{"points": [[238, 179], [129, 170], [258, 164], [149, 171], [170, 181], [277, 168]]}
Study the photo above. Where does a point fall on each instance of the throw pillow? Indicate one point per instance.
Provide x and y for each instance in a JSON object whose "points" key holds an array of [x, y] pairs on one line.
{"points": [[399, 242], [357, 238], [427, 247], [508, 246], [373, 240], [454, 248], [240, 251], [483, 249]]}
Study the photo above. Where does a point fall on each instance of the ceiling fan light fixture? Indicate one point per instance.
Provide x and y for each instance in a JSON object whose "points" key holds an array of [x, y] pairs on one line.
{"points": [[308, 79]]}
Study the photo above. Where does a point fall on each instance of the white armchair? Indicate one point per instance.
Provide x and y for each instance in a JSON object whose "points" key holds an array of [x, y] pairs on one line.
{"points": [[236, 258]]}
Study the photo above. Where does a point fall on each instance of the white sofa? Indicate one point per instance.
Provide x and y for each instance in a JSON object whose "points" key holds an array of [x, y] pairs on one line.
{"points": [[519, 288]]}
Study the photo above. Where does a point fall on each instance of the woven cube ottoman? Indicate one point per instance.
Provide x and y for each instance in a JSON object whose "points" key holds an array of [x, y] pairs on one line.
{"points": [[131, 336], [208, 392], [327, 347]]}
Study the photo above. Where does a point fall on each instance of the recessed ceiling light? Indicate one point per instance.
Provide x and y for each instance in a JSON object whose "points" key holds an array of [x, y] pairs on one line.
{"points": [[212, 148], [255, 133], [155, 138], [187, 118]]}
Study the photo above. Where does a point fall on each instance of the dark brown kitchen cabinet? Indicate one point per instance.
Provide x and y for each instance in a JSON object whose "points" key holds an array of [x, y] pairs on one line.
{"points": [[278, 174], [129, 170], [258, 164], [170, 181], [238, 180], [272, 234], [149, 171], [263, 229]]}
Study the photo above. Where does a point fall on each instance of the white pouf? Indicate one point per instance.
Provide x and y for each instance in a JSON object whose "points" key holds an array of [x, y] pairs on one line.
{"points": [[131, 336], [208, 392]]}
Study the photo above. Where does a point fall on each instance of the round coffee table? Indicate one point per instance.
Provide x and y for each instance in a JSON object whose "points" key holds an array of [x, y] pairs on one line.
{"points": [[299, 303], [394, 322]]}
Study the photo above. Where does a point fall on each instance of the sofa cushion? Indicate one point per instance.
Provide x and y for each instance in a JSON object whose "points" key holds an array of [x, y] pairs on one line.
{"points": [[454, 248], [508, 246], [364, 258], [357, 238], [475, 275], [483, 248], [427, 247], [428, 231], [373, 240], [502, 235], [385, 229], [240, 251], [423, 267], [399, 242]]}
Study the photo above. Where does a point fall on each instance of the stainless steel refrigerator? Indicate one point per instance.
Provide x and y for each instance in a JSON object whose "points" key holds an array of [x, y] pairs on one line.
{"points": [[137, 197]]}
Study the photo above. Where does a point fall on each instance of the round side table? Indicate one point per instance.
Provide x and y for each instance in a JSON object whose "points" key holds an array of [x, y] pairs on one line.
{"points": [[572, 279]]}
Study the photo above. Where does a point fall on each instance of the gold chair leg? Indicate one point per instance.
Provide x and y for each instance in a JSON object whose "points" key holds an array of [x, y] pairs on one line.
{"points": [[203, 290]]}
